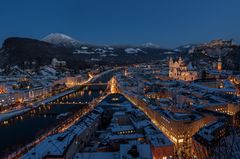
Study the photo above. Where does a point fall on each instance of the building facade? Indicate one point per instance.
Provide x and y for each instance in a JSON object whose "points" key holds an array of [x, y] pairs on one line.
{"points": [[181, 71]]}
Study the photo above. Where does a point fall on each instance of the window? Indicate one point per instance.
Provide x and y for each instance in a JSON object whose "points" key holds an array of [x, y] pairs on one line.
{"points": [[180, 140]]}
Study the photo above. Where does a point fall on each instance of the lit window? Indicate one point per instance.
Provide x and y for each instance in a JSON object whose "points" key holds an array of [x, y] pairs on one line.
{"points": [[180, 140]]}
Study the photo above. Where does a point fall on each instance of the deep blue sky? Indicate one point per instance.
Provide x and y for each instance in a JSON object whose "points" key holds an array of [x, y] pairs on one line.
{"points": [[168, 23]]}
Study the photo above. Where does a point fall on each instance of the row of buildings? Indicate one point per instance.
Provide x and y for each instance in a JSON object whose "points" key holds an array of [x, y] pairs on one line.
{"points": [[181, 109], [24, 89], [115, 129], [65, 144]]}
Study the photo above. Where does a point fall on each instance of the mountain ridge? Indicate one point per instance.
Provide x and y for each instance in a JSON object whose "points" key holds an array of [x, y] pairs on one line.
{"points": [[24, 51], [60, 39]]}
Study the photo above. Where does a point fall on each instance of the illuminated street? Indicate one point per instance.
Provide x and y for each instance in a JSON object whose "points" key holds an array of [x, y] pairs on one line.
{"points": [[46, 116], [127, 79]]}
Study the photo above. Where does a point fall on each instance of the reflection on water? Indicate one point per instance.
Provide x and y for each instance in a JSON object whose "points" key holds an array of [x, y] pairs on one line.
{"points": [[23, 129]]}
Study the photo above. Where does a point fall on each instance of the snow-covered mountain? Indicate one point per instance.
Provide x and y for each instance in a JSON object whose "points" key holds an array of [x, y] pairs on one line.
{"points": [[62, 40], [151, 45], [32, 53]]}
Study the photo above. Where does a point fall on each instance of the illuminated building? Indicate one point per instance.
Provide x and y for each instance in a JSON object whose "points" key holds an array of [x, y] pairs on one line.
{"points": [[24, 95], [207, 138], [219, 64], [161, 146], [180, 109], [65, 144], [113, 85], [219, 42], [232, 109], [179, 128], [180, 71], [2, 89]]}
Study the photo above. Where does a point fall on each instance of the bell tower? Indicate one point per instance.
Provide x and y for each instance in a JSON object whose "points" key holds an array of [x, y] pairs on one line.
{"points": [[219, 64]]}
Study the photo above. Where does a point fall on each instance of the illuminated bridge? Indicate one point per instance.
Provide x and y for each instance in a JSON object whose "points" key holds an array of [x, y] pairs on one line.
{"points": [[94, 84], [87, 84], [82, 95]]}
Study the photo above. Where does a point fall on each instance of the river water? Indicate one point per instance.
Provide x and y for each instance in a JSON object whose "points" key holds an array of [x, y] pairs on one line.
{"points": [[26, 128]]}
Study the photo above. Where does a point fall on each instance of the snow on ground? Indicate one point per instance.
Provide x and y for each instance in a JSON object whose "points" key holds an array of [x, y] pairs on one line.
{"points": [[103, 55], [83, 52], [61, 39], [48, 70], [8, 115], [98, 50], [110, 48], [104, 50], [133, 50], [113, 54], [84, 47], [177, 50], [101, 50], [229, 148], [95, 59], [187, 46], [169, 52]]}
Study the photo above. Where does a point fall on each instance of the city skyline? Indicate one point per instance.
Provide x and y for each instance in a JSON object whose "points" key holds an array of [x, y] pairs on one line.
{"points": [[129, 79], [168, 24]]}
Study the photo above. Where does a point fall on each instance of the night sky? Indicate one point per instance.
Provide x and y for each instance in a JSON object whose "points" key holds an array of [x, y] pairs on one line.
{"points": [[168, 23]]}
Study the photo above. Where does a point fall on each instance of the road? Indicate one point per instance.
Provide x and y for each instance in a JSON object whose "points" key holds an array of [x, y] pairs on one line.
{"points": [[70, 120], [23, 109]]}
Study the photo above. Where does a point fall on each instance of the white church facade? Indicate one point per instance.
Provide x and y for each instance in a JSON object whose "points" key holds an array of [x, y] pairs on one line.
{"points": [[181, 71]]}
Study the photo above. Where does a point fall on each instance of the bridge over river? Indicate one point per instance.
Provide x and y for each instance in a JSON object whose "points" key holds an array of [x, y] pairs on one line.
{"points": [[23, 129]]}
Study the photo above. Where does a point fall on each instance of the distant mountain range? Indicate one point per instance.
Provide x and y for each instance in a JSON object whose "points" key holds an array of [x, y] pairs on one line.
{"points": [[60, 39], [28, 53], [25, 51]]}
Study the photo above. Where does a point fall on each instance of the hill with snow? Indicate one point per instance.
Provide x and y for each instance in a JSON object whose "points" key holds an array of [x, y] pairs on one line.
{"points": [[33, 53], [61, 40], [133, 50]]}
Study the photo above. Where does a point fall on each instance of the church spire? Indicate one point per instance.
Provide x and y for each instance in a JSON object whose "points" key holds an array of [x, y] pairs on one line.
{"points": [[219, 64]]}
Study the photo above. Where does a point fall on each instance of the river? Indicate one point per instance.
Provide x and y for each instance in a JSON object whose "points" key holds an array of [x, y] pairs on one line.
{"points": [[26, 128]]}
